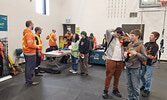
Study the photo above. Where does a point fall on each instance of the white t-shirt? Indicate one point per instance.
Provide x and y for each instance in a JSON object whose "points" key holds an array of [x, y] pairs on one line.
{"points": [[117, 51]]}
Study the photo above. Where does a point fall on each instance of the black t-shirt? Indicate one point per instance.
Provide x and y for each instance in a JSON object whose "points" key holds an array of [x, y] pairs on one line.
{"points": [[152, 49]]}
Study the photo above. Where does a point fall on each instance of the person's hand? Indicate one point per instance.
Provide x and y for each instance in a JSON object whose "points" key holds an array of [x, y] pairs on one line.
{"points": [[125, 54], [133, 52], [149, 56], [39, 54]]}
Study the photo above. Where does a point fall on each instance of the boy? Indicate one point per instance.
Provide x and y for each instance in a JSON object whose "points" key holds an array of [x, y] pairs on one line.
{"points": [[133, 64], [151, 49]]}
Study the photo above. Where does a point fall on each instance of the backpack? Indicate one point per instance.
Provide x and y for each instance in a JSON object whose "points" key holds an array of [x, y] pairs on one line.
{"points": [[139, 51]]}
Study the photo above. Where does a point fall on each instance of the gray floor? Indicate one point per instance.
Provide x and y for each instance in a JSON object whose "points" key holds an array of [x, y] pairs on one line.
{"points": [[66, 86]]}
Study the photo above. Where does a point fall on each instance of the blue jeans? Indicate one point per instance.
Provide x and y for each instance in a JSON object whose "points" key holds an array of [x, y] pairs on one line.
{"points": [[74, 63], [146, 76], [133, 83]]}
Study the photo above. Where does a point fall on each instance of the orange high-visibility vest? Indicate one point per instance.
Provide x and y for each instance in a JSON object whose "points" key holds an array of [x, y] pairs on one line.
{"points": [[39, 42], [52, 39], [1, 50]]}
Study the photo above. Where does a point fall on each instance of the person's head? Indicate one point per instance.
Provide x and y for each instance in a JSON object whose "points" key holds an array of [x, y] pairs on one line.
{"points": [[135, 35], [154, 36], [91, 34], [29, 25], [75, 37], [53, 30], [69, 32], [38, 30], [104, 35], [83, 34], [118, 32]]}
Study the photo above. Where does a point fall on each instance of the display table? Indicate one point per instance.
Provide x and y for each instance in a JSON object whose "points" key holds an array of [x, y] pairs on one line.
{"points": [[96, 57], [55, 56]]}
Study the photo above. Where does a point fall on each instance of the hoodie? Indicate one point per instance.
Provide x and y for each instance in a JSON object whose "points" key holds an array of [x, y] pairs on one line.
{"points": [[135, 61], [29, 45]]}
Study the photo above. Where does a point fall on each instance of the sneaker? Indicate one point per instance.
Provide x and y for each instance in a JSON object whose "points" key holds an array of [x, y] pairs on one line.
{"points": [[105, 94], [117, 93], [142, 88], [146, 93], [74, 72], [38, 74], [32, 84], [71, 70]]}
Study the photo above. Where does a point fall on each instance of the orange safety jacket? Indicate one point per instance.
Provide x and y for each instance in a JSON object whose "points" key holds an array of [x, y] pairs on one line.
{"points": [[95, 42], [52, 39], [68, 36], [29, 43], [39, 42], [1, 49]]}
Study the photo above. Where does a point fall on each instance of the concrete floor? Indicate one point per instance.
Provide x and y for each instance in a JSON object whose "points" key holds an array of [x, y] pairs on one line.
{"points": [[66, 86]]}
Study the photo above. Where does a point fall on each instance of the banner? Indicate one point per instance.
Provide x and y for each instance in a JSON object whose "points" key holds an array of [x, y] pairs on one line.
{"points": [[4, 63]]}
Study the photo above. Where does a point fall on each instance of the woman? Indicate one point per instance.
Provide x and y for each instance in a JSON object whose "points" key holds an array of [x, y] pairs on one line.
{"points": [[74, 54]]}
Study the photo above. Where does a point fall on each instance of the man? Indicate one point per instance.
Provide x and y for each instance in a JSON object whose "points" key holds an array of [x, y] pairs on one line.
{"points": [[52, 40], [114, 61], [1, 58], [68, 36], [84, 53], [104, 43], [151, 49], [29, 50], [136, 54], [94, 40], [38, 32]]}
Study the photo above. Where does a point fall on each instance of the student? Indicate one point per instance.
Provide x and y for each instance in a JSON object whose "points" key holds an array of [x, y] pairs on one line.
{"points": [[52, 40], [94, 40], [84, 53], [29, 50], [151, 49], [74, 54], [133, 64], [114, 61], [38, 32]]}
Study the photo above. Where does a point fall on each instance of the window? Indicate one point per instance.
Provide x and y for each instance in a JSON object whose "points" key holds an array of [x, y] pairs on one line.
{"points": [[149, 3], [42, 7]]}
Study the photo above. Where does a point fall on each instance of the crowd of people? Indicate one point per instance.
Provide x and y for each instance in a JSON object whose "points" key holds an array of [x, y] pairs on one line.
{"points": [[140, 59]]}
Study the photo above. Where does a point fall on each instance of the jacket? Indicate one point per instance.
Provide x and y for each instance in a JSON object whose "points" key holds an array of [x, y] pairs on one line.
{"points": [[52, 39], [84, 45], [135, 61], [110, 50], [75, 49], [29, 43]]}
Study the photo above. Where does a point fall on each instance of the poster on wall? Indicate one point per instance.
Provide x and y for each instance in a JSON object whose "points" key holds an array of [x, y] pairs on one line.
{"points": [[4, 64]]}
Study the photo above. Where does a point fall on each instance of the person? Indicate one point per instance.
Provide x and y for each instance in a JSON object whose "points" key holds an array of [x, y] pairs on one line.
{"points": [[147, 71], [38, 32], [52, 40], [29, 50], [74, 54], [94, 40], [1, 58], [68, 36], [133, 64], [84, 53], [104, 43], [114, 61]]}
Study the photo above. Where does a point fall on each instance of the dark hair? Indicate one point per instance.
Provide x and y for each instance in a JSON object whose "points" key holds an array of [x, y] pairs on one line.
{"points": [[136, 32], [37, 29], [76, 37], [28, 23], [119, 30], [156, 34]]}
